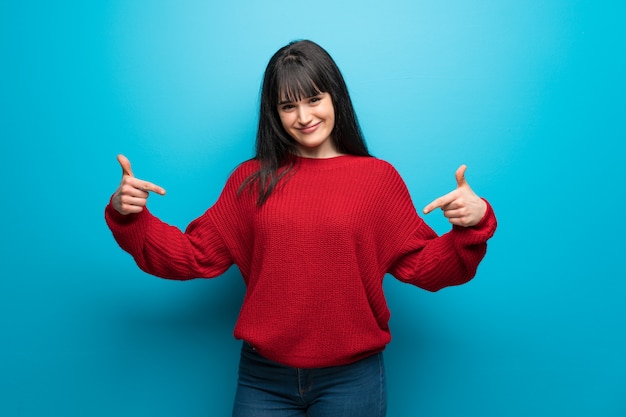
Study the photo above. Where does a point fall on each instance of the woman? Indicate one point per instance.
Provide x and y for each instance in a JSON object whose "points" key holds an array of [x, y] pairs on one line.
{"points": [[313, 223]]}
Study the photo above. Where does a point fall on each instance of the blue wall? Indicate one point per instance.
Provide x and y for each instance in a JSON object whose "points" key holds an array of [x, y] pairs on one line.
{"points": [[529, 94]]}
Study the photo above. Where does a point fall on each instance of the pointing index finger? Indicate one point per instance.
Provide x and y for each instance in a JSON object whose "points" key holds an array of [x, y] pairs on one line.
{"points": [[148, 186], [439, 202]]}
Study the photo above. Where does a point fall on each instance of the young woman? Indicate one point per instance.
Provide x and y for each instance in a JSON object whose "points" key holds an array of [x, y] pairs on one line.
{"points": [[313, 223]]}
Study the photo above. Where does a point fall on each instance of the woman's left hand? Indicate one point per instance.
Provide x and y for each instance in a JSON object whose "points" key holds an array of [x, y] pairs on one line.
{"points": [[462, 207]]}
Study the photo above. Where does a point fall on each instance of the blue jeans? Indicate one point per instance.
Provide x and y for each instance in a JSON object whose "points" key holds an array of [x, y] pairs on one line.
{"points": [[269, 389]]}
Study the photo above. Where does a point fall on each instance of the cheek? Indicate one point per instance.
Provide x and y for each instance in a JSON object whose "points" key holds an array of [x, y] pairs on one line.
{"points": [[331, 118], [285, 120], [330, 112]]}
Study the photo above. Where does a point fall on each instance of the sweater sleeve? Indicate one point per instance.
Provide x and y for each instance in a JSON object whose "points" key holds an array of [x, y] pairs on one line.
{"points": [[434, 262], [207, 248], [417, 255], [165, 251]]}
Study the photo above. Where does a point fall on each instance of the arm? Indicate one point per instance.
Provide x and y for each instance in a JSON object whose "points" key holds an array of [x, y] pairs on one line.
{"points": [[433, 262], [158, 248]]}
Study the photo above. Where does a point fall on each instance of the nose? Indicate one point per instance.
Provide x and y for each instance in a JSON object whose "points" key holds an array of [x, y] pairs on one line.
{"points": [[304, 116]]}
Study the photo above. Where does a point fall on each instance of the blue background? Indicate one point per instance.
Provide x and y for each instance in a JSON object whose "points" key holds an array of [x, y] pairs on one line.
{"points": [[529, 94]]}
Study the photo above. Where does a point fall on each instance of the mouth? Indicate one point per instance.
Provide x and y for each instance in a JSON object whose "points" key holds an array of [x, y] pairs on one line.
{"points": [[310, 128]]}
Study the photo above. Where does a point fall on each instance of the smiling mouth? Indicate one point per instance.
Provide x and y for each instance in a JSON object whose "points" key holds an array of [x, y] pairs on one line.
{"points": [[309, 129]]}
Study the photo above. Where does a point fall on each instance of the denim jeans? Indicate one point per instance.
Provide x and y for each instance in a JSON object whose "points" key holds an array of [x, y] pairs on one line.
{"points": [[269, 389]]}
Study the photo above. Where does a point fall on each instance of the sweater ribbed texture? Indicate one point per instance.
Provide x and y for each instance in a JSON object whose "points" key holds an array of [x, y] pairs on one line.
{"points": [[313, 257]]}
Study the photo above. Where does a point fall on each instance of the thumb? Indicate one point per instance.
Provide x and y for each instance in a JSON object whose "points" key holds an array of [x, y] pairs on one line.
{"points": [[460, 176], [125, 164]]}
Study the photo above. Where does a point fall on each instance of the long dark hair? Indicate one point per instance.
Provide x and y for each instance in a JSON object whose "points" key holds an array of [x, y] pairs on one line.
{"points": [[299, 70]]}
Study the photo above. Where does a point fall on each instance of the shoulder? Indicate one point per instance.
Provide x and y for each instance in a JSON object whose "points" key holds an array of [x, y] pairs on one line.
{"points": [[231, 195], [384, 166], [378, 168], [372, 162], [385, 181], [242, 171], [246, 167]]}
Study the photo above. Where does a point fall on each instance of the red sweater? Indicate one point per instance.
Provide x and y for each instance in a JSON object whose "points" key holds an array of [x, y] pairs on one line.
{"points": [[313, 257]]}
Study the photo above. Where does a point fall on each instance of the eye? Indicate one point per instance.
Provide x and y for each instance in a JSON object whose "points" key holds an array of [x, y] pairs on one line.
{"points": [[287, 107]]}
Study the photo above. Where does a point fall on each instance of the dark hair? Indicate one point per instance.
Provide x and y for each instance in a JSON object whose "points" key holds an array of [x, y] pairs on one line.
{"points": [[299, 70]]}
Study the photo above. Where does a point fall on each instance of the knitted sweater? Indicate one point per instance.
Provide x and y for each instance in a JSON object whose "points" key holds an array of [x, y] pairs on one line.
{"points": [[313, 256]]}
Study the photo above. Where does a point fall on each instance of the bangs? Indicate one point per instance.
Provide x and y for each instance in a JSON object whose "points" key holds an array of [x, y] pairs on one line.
{"points": [[296, 82]]}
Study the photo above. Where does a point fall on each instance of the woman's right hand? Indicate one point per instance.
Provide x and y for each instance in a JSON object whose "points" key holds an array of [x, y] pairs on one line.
{"points": [[132, 194]]}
